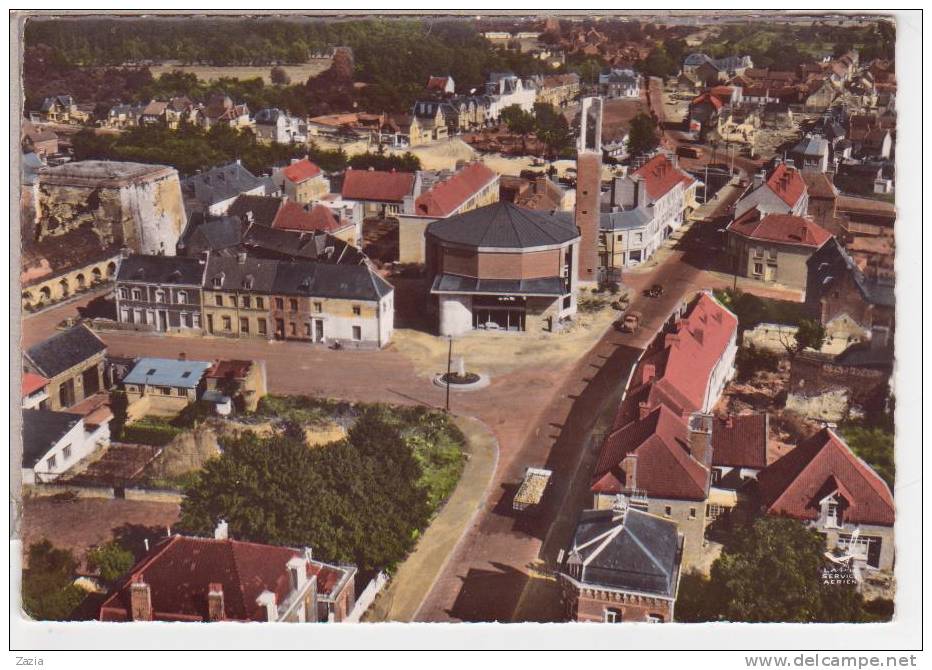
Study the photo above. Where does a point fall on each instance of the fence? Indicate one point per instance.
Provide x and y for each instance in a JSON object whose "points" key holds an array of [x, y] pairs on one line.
{"points": [[48, 489]]}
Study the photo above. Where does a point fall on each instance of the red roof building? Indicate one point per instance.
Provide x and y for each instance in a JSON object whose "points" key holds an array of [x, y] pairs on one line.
{"points": [[300, 171], [200, 579], [307, 218], [820, 467], [453, 195], [662, 176], [377, 186], [780, 228], [740, 441], [33, 383], [787, 183]]}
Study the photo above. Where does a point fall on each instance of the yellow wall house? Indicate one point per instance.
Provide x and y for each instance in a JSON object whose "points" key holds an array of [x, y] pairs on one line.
{"points": [[163, 386], [73, 362]]}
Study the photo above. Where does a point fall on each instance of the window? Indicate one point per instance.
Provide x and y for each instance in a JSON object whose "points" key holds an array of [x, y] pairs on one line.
{"points": [[210, 323], [758, 268], [66, 452], [260, 303], [716, 476], [50, 463], [357, 310], [772, 254], [263, 327], [357, 333], [692, 512], [182, 297], [159, 295], [318, 307], [227, 323], [758, 252], [185, 319], [620, 238], [137, 294], [714, 511], [654, 618], [244, 325], [279, 303], [638, 238], [232, 301], [293, 305], [197, 320], [218, 300], [307, 330], [218, 280], [293, 328], [124, 293], [668, 511], [611, 615], [165, 390], [246, 301], [832, 516]]}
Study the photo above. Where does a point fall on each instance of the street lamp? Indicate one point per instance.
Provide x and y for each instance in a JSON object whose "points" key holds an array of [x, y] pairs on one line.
{"points": [[449, 372]]}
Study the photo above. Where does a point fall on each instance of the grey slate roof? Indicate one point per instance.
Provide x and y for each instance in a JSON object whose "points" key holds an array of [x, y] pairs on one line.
{"points": [[262, 207], [811, 146], [625, 219], [167, 372], [254, 274], [318, 246], [635, 552], [211, 235], [830, 261], [178, 270], [221, 183], [503, 225], [447, 283], [42, 429], [64, 350]]}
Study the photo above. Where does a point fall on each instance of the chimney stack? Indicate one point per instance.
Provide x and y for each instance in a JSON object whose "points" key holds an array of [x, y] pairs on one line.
{"points": [[222, 530], [266, 599], [643, 410], [297, 572], [215, 611], [140, 599], [589, 190], [629, 465], [641, 193], [700, 437]]}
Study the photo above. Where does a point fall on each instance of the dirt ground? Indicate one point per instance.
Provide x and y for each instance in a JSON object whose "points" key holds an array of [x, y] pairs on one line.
{"points": [[297, 73], [499, 353], [86, 522]]}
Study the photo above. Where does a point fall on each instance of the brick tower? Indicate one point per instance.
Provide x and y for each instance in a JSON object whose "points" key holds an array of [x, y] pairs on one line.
{"points": [[588, 188]]}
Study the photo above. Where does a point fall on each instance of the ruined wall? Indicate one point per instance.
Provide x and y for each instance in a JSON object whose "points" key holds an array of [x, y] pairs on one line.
{"points": [[156, 214]]}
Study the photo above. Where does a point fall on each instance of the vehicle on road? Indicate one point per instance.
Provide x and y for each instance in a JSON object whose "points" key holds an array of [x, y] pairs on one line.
{"points": [[688, 152], [631, 322], [654, 291], [531, 492]]}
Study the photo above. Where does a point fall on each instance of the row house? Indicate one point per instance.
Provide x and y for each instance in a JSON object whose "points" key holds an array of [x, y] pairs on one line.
{"points": [[823, 484], [302, 300], [664, 423], [507, 89], [196, 579], [473, 186], [644, 208], [434, 119], [774, 248], [558, 90], [160, 293]]}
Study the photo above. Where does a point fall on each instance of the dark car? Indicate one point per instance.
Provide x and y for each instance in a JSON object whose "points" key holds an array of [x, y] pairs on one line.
{"points": [[654, 291]]}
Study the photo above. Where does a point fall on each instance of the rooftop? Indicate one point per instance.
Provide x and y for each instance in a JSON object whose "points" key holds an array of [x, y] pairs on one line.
{"points": [[102, 173], [503, 225], [176, 270], [167, 372], [780, 228], [449, 195], [65, 350], [301, 171], [42, 430], [740, 441], [222, 183], [661, 175], [377, 186]]}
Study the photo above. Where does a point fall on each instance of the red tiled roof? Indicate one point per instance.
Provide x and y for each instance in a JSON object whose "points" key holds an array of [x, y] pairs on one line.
{"points": [[818, 185], [661, 176], [706, 97], [438, 83], [180, 570], [377, 186], [787, 183], [722, 92], [664, 468], [447, 196], [295, 216], [794, 485], [32, 383], [782, 228], [740, 441], [232, 369], [301, 171]]}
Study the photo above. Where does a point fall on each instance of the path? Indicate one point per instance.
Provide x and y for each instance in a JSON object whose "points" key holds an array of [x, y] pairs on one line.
{"points": [[416, 575]]}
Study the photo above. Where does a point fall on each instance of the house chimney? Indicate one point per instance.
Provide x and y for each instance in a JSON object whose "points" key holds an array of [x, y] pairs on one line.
{"points": [[222, 531], [241, 258], [648, 372], [266, 599], [215, 602], [641, 193], [643, 410], [700, 437], [297, 572], [670, 339], [140, 599], [629, 466]]}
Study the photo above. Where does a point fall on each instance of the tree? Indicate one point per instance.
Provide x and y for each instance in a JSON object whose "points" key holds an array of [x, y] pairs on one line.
{"points": [[770, 572], [642, 136], [359, 500], [519, 122], [111, 560], [875, 446], [751, 360], [49, 593], [810, 334], [279, 76], [658, 63], [552, 129]]}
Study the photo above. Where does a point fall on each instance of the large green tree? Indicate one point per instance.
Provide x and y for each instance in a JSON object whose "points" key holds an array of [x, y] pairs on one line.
{"points": [[771, 571], [49, 593], [359, 500], [642, 135]]}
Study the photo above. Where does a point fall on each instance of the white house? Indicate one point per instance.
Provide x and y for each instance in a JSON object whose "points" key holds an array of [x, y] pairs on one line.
{"points": [[274, 125], [53, 442]]}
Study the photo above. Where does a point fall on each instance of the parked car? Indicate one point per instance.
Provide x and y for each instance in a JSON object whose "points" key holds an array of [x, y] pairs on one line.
{"points": [[688, 152], [630, 323]]}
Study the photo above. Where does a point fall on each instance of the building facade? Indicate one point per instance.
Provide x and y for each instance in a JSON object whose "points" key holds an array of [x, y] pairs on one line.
{"points": [[160, 293], [73, 363]]}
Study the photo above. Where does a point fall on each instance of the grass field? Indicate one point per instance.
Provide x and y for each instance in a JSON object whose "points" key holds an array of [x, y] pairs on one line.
{"points": [[297, 73]]}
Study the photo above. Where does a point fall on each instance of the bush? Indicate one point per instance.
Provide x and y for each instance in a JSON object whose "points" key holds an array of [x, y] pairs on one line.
{"points": [[49, 593], [111, 560], [875, 446], [150, 430], [751, 360], [193, 415]]}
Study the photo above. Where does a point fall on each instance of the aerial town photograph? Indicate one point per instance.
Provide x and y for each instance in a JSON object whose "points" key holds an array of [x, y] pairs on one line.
{"points": [[519, 318]]}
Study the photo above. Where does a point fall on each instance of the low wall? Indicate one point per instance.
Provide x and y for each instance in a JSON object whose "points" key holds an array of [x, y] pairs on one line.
{"points": [[106, 492], [367, 597]]}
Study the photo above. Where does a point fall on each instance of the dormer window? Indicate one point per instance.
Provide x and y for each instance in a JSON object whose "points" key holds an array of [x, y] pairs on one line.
{"points": [[218, 280]]}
